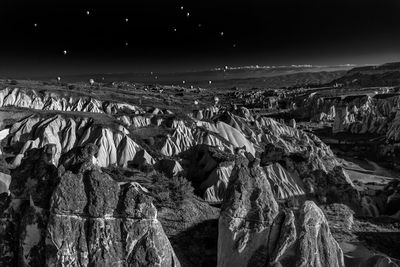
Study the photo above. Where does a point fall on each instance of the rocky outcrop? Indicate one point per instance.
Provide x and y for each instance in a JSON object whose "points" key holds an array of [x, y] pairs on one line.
{"points": [[334, 187], [358, 114], [294, 141], [342, 121], [25, 209], [317, 247], [253, 231], [29, 98], [115, 147], [78, 217], [192, 228], [205, 114], [246, 219], [235, 138], [96, 222], [135, 121], [181, 139], [209, 169], [306, 167], [284, 184]]}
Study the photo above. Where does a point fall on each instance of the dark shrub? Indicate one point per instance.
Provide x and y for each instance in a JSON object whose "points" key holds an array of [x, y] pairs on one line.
{"points": [[171, 192]]}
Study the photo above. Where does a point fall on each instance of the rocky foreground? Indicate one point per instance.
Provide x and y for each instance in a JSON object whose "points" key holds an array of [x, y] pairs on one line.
{"points": [[142, 176]]}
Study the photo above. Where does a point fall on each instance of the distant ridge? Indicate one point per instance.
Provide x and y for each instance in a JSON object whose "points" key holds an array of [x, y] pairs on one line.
{"points": [[387, 74]]}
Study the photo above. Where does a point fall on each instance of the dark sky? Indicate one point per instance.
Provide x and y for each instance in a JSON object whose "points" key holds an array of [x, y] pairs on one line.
{"points": [[265, 32]]}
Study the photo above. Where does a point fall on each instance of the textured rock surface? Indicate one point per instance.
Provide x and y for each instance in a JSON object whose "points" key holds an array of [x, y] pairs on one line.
{"points": [[109, 226], [359, 114], [253, 232], [286, 143], [192, 228], [209, 169], [283, 184], [85, 172], [247, 214], [317, 247], [114, 146], [80, 218], [51, 101]]}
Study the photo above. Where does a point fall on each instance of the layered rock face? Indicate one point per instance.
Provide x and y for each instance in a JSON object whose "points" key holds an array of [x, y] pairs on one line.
{"points": [[254, 231], [282, 140], [66, 133], [95, 222], [79, 218], [359, 114], [284, 184], [289, 158], [29, 98], [218, 134]]}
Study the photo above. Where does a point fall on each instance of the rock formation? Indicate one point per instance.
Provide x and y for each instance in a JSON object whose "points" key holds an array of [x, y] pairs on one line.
{"points": [[89, 181], [79, 218], [111, 224], [342, 121], [66, 133], [284, 184], [209, 169], [254, 231], [25, 98]]}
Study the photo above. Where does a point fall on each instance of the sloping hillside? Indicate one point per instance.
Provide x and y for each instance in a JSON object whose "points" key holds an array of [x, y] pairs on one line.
{"points": [[382, 75]]}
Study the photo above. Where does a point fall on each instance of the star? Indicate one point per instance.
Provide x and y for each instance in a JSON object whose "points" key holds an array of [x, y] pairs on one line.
{"points": [[65, 52], [126, 19], [174, 29], [183, 82], [181, 7], [126, 44], [187, 14], [234, 45], [35, 25], [221, 33], [199, 25], [87, 12]]}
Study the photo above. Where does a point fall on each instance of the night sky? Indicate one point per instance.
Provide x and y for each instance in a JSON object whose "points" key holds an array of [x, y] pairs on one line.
{"points": [[168, 35]]}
